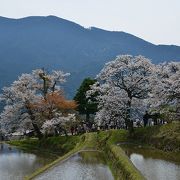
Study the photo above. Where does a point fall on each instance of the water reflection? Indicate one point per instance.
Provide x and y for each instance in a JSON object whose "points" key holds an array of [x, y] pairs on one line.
{"points": [[15, 164], [82, 166], [153, 167], [6, 149]]}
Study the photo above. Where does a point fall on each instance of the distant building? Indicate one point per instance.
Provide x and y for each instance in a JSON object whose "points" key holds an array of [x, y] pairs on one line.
{"points": [[16, 136]]}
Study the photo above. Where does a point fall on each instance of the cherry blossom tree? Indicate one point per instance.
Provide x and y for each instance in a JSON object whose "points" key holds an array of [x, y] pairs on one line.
{"points": [[165, 97], [32, 98], [56, 124], [124, 85], [130, 85]]}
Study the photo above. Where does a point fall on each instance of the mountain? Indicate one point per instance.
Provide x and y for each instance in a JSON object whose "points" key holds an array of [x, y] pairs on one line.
{"points": [[55, 43]]}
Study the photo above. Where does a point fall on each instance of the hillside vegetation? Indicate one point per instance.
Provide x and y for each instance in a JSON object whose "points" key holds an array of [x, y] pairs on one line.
{"points": [[55, 43]]}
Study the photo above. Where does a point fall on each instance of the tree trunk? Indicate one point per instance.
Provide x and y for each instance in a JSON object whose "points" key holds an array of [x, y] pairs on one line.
{"points": [[37, 130], [128, 120], [88, 120], [35, 126]]}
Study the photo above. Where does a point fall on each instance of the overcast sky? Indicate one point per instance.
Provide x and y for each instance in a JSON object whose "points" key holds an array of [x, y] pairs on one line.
{"points": [[157, 21]]}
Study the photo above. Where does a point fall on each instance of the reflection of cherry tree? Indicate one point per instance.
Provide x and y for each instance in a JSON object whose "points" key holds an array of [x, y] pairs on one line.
{"points": [[30, 98]]}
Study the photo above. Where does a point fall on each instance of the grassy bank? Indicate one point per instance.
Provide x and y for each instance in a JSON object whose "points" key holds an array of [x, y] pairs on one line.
{"points": [[119, 163], [52, 145], [121, 166], [84, 142], [166, 137]]}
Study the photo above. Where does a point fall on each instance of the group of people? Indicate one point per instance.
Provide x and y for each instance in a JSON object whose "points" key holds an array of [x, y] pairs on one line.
{"points": [[82, 128], [153, 119], [148, 120]]}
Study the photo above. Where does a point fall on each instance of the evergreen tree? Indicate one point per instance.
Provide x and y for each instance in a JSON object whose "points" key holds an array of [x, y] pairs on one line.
{"points": [[86, 105]]}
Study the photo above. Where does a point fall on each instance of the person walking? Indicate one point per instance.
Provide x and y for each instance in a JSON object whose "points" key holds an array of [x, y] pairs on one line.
{"points": [[146, 118], [72, 130]]}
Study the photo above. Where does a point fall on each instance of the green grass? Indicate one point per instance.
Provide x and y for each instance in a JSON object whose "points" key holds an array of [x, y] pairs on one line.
{"points": [[84, 142], [121, 166], [54, 145], [166, 137], [91, 141]]}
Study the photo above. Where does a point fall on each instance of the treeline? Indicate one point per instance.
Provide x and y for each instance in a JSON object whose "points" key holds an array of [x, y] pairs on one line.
{"points": [[122, 92]]}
